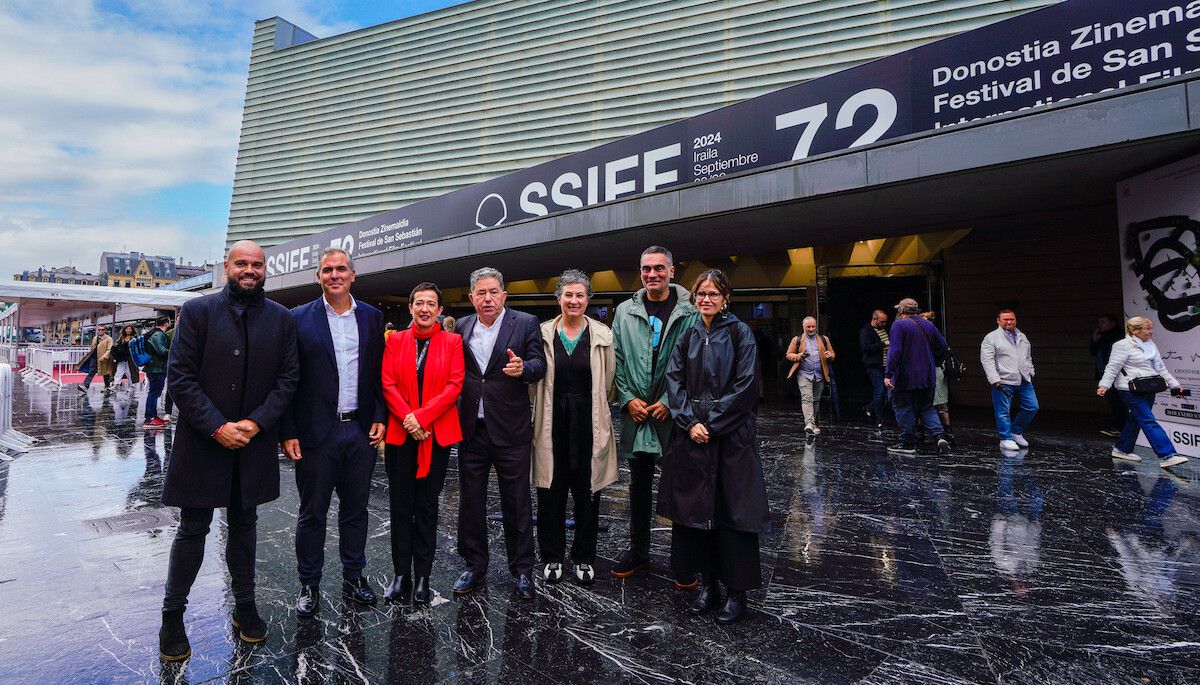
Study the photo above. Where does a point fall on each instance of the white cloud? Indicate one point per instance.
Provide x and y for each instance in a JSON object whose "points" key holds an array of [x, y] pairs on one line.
{"points": [[100, 109]]}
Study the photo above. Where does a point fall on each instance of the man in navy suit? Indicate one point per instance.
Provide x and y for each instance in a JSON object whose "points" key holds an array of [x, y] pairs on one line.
{"points": [[337, 419], [503, 350]]}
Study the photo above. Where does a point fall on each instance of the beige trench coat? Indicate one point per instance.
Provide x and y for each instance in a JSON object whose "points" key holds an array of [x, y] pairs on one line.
{"points": [[604, 447], [105, 364]]}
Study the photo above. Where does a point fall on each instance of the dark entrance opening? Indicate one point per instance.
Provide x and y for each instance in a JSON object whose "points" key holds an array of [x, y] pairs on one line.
{"points": [[845, 307]]}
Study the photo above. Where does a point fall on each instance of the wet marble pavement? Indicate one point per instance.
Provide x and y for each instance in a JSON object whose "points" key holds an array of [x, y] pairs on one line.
{"points": [[1058, 565]]}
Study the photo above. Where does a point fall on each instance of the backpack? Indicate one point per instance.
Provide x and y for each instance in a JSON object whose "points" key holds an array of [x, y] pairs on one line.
{"points": [[953, 367], [137, 350]]}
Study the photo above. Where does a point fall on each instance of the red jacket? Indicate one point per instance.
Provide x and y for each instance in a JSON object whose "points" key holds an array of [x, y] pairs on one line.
{"points": [[436, 410]]}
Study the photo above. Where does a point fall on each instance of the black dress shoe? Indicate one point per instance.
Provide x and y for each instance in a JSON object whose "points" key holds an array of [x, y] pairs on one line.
{"points": [[707, 599], [308, 601], [360, 591], [400, 590], [525, 587], [251, 627], [421, 593], [173, 644], [467, 582], [734, 607]]}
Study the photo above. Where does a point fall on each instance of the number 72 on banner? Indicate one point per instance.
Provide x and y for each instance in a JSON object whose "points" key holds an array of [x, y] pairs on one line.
{"points": [[811, 119]]}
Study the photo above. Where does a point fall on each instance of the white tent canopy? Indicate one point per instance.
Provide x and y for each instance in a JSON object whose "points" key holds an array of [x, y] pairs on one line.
{"points": [[42, 303]]}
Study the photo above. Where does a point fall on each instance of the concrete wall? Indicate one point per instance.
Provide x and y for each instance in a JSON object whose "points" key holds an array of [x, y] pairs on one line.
{"points": [[1059, 273]]}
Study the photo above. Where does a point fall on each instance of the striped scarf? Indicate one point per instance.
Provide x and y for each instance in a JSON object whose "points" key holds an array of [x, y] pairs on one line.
{"points": [[883, 336]]}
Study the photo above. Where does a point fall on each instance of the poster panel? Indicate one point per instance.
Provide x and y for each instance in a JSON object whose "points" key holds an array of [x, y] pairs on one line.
{"points": [[1159, 217]]}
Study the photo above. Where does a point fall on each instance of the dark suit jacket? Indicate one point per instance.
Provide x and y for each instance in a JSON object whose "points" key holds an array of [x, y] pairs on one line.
{"points": [[506, 403], [314, 408], [225, 366]]}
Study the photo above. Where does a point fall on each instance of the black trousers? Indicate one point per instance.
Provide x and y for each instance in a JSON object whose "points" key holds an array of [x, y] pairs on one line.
{"points": [[187, 554], [552, 515], [476, 457], [641, 503], [342, 463], [414, 506], [730, 556]]}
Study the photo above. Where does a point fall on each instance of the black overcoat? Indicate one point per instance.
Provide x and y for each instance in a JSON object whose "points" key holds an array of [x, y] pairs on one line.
{"points": [[228, 362], [712, 380]]}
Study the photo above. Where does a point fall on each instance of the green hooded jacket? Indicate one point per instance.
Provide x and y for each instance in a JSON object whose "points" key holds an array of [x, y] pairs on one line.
{"points": [[637, 375]]}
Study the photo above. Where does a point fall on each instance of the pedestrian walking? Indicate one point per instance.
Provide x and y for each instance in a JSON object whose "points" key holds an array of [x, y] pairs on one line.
{"points": [[99, 360], [127, 368], [1107, 333], [712, 485], [916, 347], [810, 355], [573, 447], [233, 371], [941, 388], [423, 371], [503, 352], [873, 341], [333, 426], [1136, 369], [1007, 359], [157, 346], [645, 329]]}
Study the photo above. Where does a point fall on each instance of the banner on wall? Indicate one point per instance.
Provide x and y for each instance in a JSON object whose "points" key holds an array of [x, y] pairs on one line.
{"points": [[1054, 54], [1159, 217]]}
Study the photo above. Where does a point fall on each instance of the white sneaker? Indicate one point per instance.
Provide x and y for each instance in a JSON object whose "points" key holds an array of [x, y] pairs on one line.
{"points": [[1009, 445], [1173, 460], [585, 574], [1127, 456], [552, 573], [816, 430], [810, 429], [1020, 440]]}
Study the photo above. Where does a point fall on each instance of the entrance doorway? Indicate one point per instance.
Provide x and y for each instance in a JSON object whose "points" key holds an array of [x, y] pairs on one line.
{"points": [[845, 302]]}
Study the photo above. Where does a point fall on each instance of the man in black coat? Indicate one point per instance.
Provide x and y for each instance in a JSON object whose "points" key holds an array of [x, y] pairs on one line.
{"points": [[873, 339], [503, 350], [334, 425], [232, 370]]}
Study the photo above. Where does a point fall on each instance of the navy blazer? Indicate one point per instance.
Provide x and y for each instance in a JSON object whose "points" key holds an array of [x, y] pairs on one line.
{"points": [[506, 403], [314, 407]]}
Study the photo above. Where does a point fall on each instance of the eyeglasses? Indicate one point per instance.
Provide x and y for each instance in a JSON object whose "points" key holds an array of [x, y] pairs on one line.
{"points": [[707, 295]]}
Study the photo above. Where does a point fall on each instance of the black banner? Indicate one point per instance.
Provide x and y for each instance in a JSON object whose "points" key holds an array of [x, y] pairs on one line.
{"points": [[1064, 51]]}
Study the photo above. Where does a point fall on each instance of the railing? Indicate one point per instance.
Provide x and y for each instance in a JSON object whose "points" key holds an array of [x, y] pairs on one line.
{"points": [[8, 353], [10, 439], [39, 369]]}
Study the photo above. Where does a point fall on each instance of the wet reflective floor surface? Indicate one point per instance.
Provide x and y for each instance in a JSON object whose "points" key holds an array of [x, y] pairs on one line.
{"points": [[1057, 565]]}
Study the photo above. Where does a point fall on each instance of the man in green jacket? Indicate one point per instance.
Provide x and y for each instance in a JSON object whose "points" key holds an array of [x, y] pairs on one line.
{"points": [[645, 329], [156, 370]]}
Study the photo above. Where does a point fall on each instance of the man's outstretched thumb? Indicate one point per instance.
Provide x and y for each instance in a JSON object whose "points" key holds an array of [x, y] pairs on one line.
{"points": [[511, 356]]}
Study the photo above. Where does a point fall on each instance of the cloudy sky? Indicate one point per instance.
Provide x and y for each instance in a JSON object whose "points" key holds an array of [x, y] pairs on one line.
{"points": [[119, 120]]}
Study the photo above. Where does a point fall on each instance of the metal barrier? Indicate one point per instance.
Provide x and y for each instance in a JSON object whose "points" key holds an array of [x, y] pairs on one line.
{"points": [[9, 438], [8, 353], [40, 368]]}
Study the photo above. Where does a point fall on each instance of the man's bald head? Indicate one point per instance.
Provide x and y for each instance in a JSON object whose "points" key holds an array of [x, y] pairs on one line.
{"points": [[245, 267]]}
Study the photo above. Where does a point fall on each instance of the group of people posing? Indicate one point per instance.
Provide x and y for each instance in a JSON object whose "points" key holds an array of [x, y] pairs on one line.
{"points": [[529, 400]]}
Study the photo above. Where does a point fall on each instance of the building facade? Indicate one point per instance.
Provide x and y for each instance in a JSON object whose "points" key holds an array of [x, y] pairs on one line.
{"points": [[62, 274], [137, 270], [345, 127]]}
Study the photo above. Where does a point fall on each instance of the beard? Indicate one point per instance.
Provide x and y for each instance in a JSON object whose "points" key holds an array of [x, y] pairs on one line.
{"points": [[238, 291]]}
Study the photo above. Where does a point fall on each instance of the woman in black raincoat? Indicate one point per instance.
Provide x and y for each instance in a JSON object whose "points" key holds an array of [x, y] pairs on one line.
{"points": [[712, 483]]}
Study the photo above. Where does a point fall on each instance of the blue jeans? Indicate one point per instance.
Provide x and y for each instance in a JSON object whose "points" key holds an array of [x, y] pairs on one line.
{"points": [[1027, 406], [910, 405], [1141, 419], [878, 394], [157, 381]]}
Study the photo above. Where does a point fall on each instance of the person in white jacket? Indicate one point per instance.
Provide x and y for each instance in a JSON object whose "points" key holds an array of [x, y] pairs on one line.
{"points": [[1007, 359], [1137, 357]]}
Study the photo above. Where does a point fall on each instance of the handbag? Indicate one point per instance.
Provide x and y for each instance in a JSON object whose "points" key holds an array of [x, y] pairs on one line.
{"points": [[1146, 385]]}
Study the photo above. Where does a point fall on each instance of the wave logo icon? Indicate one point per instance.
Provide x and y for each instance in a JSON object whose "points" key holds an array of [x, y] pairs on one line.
{"points": [[491, 212]]}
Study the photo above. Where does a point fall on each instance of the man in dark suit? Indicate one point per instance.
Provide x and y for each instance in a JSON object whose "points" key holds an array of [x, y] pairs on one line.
{"points": [[232, 371], [503, 350], [334, 425]]}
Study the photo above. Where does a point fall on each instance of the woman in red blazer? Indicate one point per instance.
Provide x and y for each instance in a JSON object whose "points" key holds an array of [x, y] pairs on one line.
{"points": [[422, 379]]}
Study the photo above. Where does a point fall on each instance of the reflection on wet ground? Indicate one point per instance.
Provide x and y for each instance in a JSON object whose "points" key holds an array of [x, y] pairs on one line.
{"points": [[1054, 566]]}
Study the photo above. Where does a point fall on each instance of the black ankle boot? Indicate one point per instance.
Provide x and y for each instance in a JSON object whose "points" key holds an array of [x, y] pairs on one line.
{"points": [[173, 644], [707, 599], [734, 607], [400, 591], [250, 627], [421, 592]]}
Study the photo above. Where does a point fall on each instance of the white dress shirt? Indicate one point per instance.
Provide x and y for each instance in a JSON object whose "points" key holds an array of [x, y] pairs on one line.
{"points": [[344, 329], [483, 342]]}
